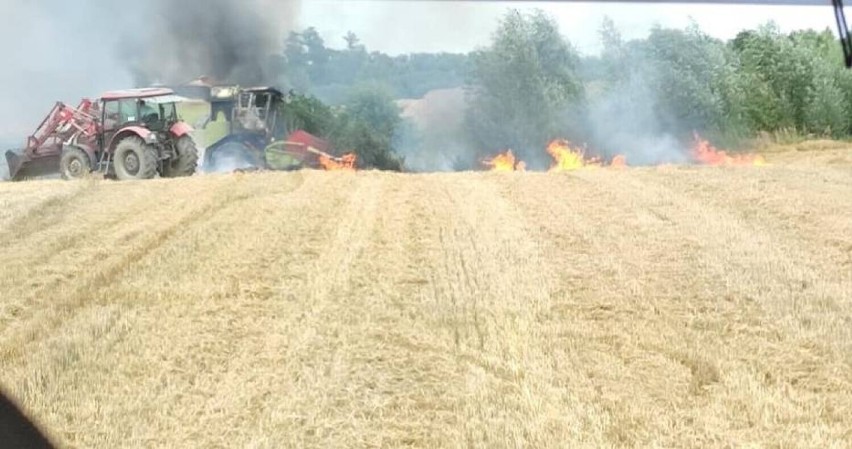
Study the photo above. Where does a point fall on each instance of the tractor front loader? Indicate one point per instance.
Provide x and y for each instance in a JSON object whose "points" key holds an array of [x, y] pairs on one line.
{"points": [[129, 134]]}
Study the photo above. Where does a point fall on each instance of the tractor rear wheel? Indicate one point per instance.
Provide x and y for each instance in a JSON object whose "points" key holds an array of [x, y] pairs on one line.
{"points": [[74, 163], [134, 159], [186, 161]]}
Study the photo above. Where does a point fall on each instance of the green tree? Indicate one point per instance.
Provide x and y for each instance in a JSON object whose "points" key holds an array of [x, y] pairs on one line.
{"points": [[827, 109], [769, 57], [614, 53], [367, 125], [305, 59], [688, 72], [307, 113], [522, 85], [353, 43], [331, 75]]}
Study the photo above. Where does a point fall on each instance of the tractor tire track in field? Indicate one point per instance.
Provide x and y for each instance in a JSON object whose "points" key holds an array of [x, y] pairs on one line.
{"points": [[307, 348], [95, 237], [498, 320], [600, 308], [110, 312], [93, 278], [229, 315], [45, 213], [356, 338], [707, 280], [42, 247]]}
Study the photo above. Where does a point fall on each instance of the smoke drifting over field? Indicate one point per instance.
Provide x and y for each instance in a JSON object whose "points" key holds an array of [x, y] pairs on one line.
{"points": [[119, 44], [622, 121], [58, 51], [230, 40], [46, 57]]}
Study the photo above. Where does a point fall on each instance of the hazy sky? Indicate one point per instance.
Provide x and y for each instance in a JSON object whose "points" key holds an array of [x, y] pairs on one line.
{"points": [[399, 27], [51, 52]]}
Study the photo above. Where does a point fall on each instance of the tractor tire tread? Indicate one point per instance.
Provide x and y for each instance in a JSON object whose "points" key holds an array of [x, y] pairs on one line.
{"points": [[148, 159], [70, 153], [186, 162]]}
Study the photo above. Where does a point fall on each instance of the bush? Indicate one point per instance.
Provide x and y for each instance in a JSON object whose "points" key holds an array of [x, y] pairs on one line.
{"points": [[366, 126], [522, 86]]}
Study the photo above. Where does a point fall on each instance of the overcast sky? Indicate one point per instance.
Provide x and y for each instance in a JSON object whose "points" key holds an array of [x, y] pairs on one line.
{"points": [[399, 27]]}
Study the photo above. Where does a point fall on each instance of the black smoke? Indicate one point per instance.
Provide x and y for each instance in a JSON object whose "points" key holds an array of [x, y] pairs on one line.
{"points": [[229, 40]]}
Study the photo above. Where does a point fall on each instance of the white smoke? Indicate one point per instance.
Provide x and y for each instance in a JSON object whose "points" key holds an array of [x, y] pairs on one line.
{"points": [[623, 121]]}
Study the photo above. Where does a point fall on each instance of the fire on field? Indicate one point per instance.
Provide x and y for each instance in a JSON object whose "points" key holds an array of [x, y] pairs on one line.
{"points": [[344, 163], [569, 157], [505, 162]]}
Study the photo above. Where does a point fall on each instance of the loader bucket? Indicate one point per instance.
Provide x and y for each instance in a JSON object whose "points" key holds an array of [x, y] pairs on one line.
{"points": [[23, 167]]}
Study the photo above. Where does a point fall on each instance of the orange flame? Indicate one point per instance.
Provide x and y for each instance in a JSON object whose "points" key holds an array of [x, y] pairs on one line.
{"points": [[568, 159], [505, 162], [619, 161], [706, 154], [343, 163]]}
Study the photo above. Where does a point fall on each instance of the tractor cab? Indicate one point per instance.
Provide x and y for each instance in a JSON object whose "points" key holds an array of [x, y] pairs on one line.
{"points": [[154, 109]]}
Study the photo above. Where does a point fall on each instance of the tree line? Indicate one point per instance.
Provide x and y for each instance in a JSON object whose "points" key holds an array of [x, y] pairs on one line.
{"points": [[530, 85], [308, 65]]}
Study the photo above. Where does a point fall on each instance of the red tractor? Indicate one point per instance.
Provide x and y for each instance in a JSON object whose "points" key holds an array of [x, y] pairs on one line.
{"points": [[131, 134]]}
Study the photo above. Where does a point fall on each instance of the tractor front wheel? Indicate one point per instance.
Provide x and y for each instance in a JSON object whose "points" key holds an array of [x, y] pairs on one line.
{"points": [[74, 163], [134, 159], [186, 161]]}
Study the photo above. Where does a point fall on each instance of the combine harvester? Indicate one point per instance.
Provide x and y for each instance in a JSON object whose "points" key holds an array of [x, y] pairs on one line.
{"points": [[137, 134], [257, 137], [129, 134]]}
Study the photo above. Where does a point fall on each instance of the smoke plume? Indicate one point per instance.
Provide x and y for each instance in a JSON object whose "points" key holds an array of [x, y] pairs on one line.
{"points": [[622, 121], [229, 40], [433, 137], [54, 50]]}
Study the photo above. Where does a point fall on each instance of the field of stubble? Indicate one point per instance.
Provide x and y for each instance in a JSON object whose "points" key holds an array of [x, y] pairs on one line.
{"points": [[680, 307]]}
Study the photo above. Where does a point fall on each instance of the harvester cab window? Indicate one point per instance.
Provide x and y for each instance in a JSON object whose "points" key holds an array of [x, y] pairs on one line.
{"points": [[260, 103], [127, 111], [261, 100]]}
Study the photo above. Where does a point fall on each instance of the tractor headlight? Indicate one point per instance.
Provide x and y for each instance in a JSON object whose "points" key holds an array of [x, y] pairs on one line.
{"points": [[151, 138]]}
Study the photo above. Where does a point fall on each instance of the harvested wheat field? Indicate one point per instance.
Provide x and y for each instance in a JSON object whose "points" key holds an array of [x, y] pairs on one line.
{"points": [[645, 307]]}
